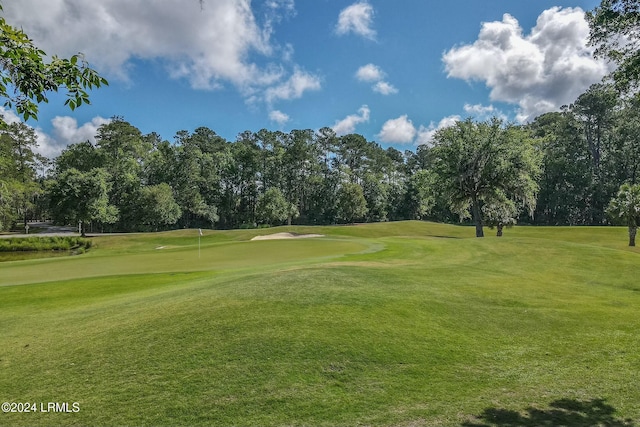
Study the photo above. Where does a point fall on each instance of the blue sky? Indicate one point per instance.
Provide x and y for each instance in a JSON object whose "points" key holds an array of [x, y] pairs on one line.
{"points": [[393, 71]]}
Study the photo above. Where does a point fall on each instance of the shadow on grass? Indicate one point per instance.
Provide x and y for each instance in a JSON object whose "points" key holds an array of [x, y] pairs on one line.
{"points": [[563, 412]]}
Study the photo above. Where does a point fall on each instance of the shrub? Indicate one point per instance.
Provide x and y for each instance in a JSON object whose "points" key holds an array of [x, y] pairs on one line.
{"points": [[33, 244]]}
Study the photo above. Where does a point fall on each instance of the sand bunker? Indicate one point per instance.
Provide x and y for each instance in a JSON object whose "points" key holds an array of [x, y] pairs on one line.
{"points": [[277, 236]]}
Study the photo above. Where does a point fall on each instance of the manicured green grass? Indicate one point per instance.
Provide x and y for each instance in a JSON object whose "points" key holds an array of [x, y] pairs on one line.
{"points": [[384, 324]]}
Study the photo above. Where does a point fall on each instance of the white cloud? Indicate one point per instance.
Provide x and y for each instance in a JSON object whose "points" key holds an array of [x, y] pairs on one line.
{"points": [[294, 87], [358, 19], [65, 132], [369, 73], [398, 131], [47, 146], [279, 117], [384, 88], [196, 43], [211, 46], [540, 71], [426, 134], [349, 123]]}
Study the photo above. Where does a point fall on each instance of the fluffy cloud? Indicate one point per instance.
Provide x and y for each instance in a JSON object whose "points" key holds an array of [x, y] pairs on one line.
{"points": [[279, 117], [384, 88], [403, 131], [66, 131], [210, 44], [398, 131], [357, 19], [371, 73], [294, 87], [193, 39], [349, 123], [426, 134], [540, 71]]}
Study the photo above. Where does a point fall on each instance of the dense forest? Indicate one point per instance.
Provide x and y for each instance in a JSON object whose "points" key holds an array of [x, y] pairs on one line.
{"points": [[576, 160]]}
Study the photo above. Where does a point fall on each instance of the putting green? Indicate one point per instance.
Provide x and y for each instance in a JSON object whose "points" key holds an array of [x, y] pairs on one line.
{"points": [[170, 257]]}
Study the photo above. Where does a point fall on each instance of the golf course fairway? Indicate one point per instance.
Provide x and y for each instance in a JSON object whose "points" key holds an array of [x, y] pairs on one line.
{"points": [[389, 324]]}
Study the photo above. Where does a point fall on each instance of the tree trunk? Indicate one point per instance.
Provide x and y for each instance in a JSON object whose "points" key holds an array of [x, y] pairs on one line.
{"points": [[499, 227], [477, 218], [632, 235]]}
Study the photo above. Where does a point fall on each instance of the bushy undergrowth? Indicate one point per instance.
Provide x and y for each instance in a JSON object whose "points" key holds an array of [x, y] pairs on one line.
{"points": [[31, 244]]}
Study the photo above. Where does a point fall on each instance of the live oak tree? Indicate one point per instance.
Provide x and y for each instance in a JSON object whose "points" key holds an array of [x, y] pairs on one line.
{"points": [[625, 209], [500, 212], [477, 161]]}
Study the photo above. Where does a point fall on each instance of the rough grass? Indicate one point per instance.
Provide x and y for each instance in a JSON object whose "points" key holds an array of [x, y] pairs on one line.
{"points": [[33, 244], [384, 324]]}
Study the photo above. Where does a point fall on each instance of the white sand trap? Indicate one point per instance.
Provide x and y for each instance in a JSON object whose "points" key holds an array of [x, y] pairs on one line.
{"points": [[278, 236]]}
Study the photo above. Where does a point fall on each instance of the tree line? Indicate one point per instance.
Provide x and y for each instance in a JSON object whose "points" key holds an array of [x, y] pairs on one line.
{"points": [[561, 169]]}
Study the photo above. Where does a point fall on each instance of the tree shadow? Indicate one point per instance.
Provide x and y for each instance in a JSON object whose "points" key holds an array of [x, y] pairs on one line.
{"points": [[561, 413]]}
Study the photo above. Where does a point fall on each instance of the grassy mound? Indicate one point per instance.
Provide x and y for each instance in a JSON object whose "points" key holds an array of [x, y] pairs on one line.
{"points": [[384, 324]]}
